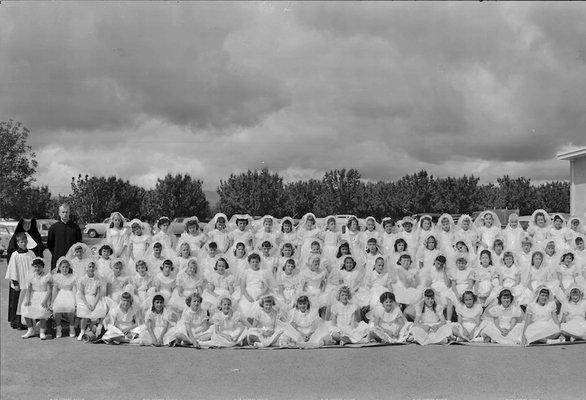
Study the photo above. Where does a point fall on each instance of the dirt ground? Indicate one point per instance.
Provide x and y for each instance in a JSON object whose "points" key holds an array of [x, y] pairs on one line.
{"points": [[67, 369]]}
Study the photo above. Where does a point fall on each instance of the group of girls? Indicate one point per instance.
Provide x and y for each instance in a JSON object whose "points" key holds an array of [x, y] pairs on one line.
{"points": [[316, 284]]}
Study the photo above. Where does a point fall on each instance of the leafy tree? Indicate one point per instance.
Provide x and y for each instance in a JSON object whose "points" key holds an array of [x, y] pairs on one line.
{"points": [[414, 193], [301, 197], [95, 198], [515, 193], [553, 197], [175, 196], [341, 194], [18, 165], [255, 193]]}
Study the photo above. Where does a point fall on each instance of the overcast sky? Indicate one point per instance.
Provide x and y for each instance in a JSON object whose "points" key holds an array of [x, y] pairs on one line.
{"points": [[139, 90]]}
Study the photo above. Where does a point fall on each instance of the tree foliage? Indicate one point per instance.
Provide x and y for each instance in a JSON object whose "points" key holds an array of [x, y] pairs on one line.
{"points": [[18, 166], [252, 192]]}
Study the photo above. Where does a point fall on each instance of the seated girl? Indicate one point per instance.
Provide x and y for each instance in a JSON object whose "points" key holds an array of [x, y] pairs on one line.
{"points": [[502, 323], [388, 324], [346, 326], [430, 326], [121, 321]]}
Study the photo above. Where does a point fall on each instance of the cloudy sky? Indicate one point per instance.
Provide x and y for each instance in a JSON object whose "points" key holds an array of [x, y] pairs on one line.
{"points": [[139, 90]]}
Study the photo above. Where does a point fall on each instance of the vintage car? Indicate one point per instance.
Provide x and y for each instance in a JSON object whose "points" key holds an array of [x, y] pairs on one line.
{"points": [[95, 229]]}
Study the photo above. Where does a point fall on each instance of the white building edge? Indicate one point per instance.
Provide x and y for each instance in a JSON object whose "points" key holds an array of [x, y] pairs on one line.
{"points": [[577, 158]]}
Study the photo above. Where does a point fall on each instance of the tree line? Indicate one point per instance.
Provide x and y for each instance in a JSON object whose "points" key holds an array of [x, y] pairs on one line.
{"points": [[261, 192]]}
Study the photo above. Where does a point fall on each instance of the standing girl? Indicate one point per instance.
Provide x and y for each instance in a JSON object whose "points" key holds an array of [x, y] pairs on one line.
{"points": [[138, 240], [539, 228], [91, 307], [64, 288], [253, 285], [488, 226], [331, 236], [188, 282], [117, 235], [218, 233], [407, 287], [78, 256], [37, 300]]}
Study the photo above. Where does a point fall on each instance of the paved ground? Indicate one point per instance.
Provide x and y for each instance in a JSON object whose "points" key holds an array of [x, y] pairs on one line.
{"points": [[67, 369]]}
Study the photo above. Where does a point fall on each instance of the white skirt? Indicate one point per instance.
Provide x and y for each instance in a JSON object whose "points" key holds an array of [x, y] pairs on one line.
{"points": [[64, 302], [35, 310], [100, 308], [539, 330]]}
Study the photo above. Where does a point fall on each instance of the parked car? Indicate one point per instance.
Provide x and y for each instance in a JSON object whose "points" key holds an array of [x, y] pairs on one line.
{"points": [[177, 226], [96, 229], [6, 232], [43, 226]]}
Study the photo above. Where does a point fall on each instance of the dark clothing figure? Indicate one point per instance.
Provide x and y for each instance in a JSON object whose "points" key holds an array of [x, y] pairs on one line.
{"points": [[33, 233], [13, 295], [60, 238]]}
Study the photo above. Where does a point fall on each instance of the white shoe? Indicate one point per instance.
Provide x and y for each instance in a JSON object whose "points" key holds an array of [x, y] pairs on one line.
{"points": [[71, 331], [29, 333], [58, 332], [43, 335], [80, 337]]}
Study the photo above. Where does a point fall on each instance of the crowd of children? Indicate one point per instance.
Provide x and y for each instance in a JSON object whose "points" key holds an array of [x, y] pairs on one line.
{"points": [[314, 284]]}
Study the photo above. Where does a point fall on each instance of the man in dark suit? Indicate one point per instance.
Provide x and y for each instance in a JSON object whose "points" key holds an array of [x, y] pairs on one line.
{"points": [[62, 235]]}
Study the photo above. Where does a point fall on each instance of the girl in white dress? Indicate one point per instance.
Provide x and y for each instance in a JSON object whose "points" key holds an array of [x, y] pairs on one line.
{"points": [[409, 234], [305, 329], [138, 240], [372, 231], [164, 282], [559, 233], [104, 262], [575, 230], [287, 253], [193, 235], [228, 329], [117, 235], [445, 233], [352, 235], [122, 321], [288, 285], [503, 321], [523, 259], [184, 254], [288, 234], [400, 248], [509, 276], [573, 315], [241, 231], [163, 236], [350, 276], [430, 326], [266, 233], [220, 284], [331, 237], [388, 324], [64, 288], [91, 307], [238, 261], [267, 326], [307, 233], [466, 232], [187, 283], [142, 285], [513, 234], [488, 226], [37, 300], [437, 279], [427, 254], [254, 284], [116, 283], [78, 256], [388, 236], [540, 274], [425, 228], [407, 288], [194, 325], [156, 255], [541, 322], [485, 278], [469, 312], [539, 228], [462, 280], [216, 232], [157, 329], [346, 326], [313, 282], [566, 273], [377, 281]]}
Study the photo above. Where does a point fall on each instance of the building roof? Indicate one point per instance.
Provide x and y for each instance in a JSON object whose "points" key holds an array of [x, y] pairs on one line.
{"points": [[572, 154]]}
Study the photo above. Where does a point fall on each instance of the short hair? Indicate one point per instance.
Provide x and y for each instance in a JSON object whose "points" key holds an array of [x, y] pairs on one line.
{"points": [[191, 222], [429, 293], [387, 296], [462, 259], [157, 297], [498, 242], [468, 293], [118, 262], [266, 244], [505, 293], [536, 253], [68, 263], [239, 244], [254, 256], [105, 247], [241, 219], [303, 300], [224, 261], [558, 218], [371, 240], [288, 246], [574, 290], [21, 236], [139, 263], [185, 244], [579, 240], [223, 299], [569, 253], [400, 240], [441, 259], [167, 263], [221, 219], [163, 220], [212, 246], [344, 289], [404, 256], [316, 243], [348, 258], [194, 296], [286, 222], [488, 253], [157, 245], [265, 299], [346, 245], [127, 296], [289, 261], [543, 290], [509, 254]]}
